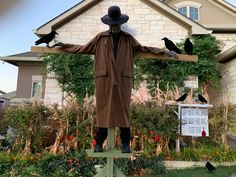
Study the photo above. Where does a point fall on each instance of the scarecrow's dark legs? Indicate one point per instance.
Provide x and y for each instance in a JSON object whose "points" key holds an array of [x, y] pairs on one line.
{"points": [[125, 139], [124, 135]]}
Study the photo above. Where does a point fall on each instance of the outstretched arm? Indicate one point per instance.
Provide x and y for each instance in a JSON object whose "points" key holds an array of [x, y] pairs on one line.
{"points": [[139, 48], [88, 48]]}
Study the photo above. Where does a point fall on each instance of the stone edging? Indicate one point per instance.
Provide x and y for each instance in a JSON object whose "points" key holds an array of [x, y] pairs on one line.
{"points": [[190, 164]]}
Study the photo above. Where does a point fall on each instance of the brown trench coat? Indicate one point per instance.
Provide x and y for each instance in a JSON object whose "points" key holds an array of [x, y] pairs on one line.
{"points": [[113, 75]]}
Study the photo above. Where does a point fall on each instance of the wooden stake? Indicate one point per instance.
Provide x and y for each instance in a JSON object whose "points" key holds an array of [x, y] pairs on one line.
{"points": [[181, 57]]}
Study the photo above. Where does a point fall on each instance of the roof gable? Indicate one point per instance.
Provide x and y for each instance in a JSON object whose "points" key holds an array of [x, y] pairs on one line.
{"points": [[83, 6], [217, 15]]}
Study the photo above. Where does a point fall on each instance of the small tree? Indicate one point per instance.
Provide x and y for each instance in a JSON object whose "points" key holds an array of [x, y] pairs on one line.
{"points": [[74, 73]]}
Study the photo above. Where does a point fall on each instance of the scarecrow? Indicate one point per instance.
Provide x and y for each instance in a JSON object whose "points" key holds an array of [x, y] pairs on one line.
{"points": [[113, 70]]}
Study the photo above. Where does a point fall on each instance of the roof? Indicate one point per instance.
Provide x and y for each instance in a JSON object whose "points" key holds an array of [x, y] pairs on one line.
{"points": [[84, 5], [26, 56], [8, 95], [227, 55], [2, 92], [226, 5]]}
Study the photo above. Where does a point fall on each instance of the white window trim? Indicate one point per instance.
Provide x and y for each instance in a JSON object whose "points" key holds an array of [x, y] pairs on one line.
{"points": [[36, 79], [189, 4]]}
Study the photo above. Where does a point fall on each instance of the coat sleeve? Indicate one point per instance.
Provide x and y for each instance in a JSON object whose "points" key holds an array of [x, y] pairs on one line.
{"points": [[139, 48], [88, 48]]}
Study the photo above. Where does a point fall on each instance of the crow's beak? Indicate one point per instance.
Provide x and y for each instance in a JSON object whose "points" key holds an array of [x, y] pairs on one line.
{"points": [[57, 33], [162, 39]]}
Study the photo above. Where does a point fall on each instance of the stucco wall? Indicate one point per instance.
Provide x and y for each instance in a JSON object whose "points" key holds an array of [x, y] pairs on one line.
{"points": [[24, 80]]}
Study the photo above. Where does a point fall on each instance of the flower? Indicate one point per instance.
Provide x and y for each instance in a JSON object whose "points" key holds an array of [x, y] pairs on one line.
{"points": [[70, 161], [155, 138], [70, 138], [151, 132], [94, 142]]}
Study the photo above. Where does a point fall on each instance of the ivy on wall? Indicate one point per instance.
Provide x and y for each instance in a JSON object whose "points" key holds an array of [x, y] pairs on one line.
{"points": [[176, 72]]}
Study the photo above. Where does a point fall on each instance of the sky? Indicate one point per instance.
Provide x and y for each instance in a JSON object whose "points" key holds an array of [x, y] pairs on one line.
{"points": [[18, 18]]}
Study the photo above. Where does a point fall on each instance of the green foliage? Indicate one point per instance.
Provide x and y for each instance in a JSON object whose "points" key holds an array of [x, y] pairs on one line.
{"points": [[141, 165], [74, 164], [176, 72], [206, 153], [162, 120], [217, 121], [74, 73], [25, 117]]}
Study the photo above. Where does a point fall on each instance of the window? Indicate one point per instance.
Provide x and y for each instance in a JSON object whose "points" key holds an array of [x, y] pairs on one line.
{"points": [[183, 10], [36, 89], [36, 86], [191, 82], [2, 104], [189, 9], [193, 13]]}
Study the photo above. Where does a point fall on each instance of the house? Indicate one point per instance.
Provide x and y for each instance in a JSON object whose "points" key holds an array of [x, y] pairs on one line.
{"points": [[30, 79], [5, 99], [149, 21], [2, 92]]}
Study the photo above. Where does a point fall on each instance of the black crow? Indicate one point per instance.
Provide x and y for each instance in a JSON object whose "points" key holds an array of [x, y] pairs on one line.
{"points": [[171, 46], [202, 99], [188, 47], [182, 98], [46, 39], [210, 167]]}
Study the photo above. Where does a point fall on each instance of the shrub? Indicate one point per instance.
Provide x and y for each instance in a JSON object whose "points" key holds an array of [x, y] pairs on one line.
{"points": [[161, 121], [205, 153]]}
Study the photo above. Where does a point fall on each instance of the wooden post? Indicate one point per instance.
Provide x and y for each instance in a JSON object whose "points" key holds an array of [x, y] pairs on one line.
{"points": [[181, 57], [110, 169]]}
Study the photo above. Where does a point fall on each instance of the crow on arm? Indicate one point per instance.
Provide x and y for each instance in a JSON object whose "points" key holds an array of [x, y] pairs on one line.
{"points": [[46, 39], [188, 46], [171, 46]]}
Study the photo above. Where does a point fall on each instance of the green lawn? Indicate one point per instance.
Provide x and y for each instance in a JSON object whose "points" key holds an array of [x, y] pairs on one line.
{"points": [[199, 172]]}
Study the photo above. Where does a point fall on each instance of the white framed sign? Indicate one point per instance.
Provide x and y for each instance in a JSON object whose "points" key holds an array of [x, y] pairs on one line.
{"points": [[194, 119]]}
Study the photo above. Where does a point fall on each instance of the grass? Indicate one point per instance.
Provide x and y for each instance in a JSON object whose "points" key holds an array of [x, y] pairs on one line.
{"points": [[199, 172]]}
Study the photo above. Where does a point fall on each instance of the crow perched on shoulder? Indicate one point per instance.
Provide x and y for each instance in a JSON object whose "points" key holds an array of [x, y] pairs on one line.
{"points": [[171, 46], [210, 167], [46, 39], [182, 98], [188, 46], [202, 99]]}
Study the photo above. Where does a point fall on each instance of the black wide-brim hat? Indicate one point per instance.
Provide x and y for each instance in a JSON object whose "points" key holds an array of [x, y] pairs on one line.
{"points": [[114, 16]]}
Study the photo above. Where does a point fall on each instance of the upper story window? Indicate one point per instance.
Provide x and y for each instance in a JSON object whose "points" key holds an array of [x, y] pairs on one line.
{"points": [[189, 9]]}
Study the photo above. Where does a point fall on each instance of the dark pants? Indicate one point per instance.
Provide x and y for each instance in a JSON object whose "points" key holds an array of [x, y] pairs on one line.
{"points": [[124, 135]]}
